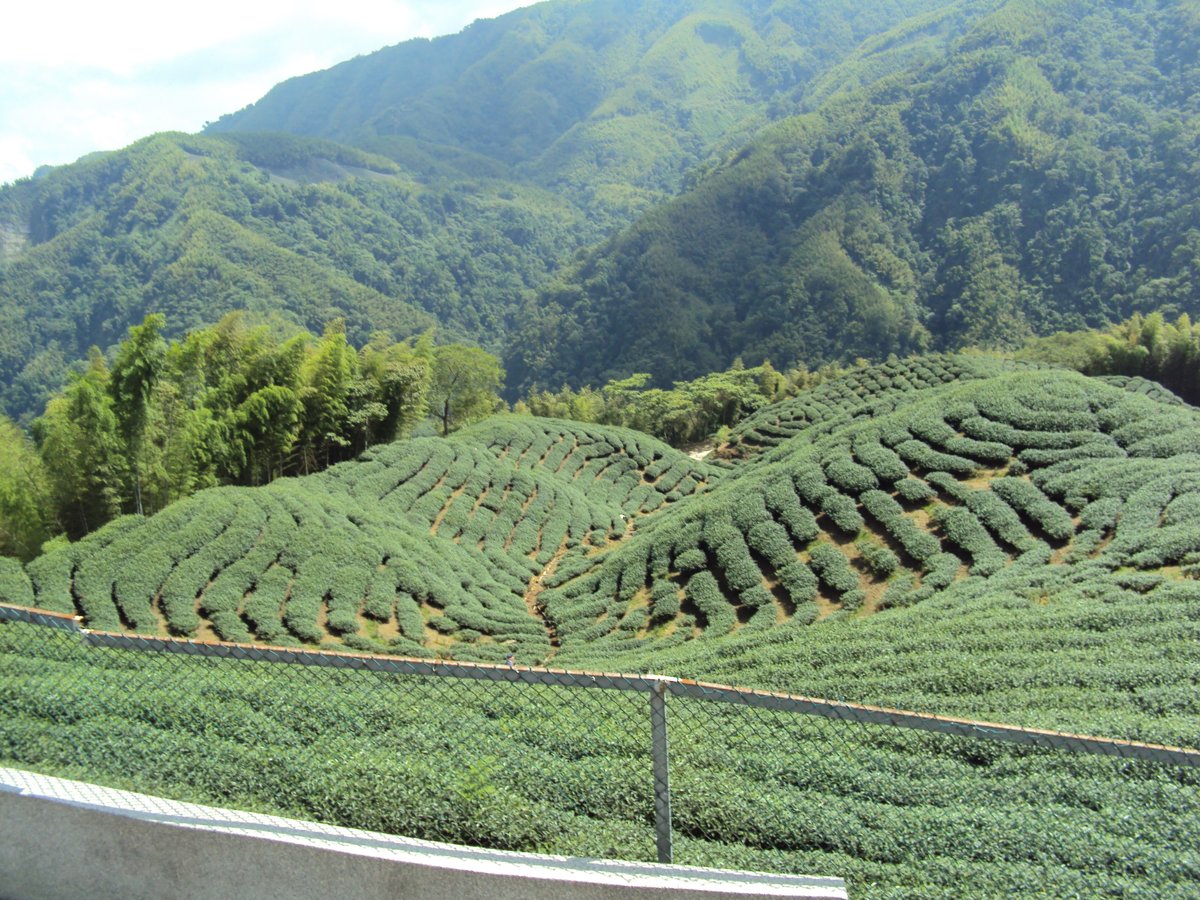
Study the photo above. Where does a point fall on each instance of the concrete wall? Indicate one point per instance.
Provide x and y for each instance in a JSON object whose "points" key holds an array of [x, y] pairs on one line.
{"points": [[63, 838]]}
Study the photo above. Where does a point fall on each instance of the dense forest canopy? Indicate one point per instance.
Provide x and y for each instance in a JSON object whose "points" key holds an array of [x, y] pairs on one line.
{"points": [[1036, 174], [236, 403], [794, 181], [304, 230]]}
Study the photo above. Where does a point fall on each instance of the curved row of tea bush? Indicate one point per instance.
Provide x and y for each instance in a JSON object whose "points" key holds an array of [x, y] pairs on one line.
{"points": [[961, 482], [419, 547]]}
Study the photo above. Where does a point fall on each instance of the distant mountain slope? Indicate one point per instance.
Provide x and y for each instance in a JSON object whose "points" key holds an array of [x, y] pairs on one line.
{"points": [[1038, 173], [505, 149], [810, 182], [610, 101], [303, 229]]}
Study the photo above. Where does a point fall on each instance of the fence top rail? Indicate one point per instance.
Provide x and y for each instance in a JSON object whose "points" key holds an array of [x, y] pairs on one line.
{"points": [[661, 684]]}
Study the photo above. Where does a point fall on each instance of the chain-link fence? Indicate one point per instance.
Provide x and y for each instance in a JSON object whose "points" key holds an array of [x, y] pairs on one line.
{"points": [[619, 766]]}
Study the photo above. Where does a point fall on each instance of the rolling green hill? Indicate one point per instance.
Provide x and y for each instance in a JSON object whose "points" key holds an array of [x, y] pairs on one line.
{"points": [[898, 490]]}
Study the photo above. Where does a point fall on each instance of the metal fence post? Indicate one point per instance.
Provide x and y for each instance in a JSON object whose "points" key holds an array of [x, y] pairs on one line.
{"points": [[662, 770]]}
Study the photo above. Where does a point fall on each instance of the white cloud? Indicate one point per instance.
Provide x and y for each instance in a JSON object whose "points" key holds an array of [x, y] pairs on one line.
{"points": [[80, 77]]}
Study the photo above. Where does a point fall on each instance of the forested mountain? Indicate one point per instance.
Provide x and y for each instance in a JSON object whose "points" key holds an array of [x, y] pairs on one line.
{"points": [[795, 181], [609, 102], [1039, 173], [301, 229]]}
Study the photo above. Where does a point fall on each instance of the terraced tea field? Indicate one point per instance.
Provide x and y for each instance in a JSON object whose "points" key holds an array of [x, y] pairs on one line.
{"points": [[550, 539], [954, 535], [422, 547], [868, 510]]}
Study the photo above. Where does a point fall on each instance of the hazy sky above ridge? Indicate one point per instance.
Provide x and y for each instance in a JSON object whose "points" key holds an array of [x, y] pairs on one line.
{"points": [[82, 76]]}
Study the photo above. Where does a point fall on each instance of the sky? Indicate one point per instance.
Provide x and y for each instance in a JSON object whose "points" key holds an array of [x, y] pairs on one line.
{"points": [[78, 76]]}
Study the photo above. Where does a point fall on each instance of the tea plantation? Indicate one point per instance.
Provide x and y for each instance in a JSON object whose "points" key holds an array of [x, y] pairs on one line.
{"points": [[419, 547], [878, 491], [960, 535]]}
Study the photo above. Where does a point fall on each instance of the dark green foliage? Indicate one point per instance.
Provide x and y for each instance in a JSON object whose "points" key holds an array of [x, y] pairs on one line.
{"points": [[996, 515], [969, 179], [665, 600], [879, 459], [921, 456], [1142, 347], [728, 547]]}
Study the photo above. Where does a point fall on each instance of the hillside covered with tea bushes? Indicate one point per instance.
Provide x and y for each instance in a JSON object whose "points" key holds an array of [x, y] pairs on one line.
{"points": [[937, 492]]}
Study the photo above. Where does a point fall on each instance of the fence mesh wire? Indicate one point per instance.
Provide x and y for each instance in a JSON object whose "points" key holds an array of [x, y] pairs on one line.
{"points": [[571, 763]]}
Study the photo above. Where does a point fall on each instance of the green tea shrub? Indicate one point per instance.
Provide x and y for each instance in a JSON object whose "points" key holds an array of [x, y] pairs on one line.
{"points": [[832, 567], [1026, 498], [962, 528], [782, 501], [799, 582], [691, 560], [1094, 448], [664, 596], [842, 512], [921, 456], [15, 586], [704, 592], [917, 543], [846, 475], [772, 542], [991, 511], [941, 571], [881, 561], [262, 607], [726, 544], [913, 490], [881, 460]]}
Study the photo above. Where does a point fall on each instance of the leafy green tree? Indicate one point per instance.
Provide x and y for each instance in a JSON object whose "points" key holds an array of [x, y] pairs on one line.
{"points": [[327, 375], [265, 428], [131, 385], [25, 502], [79, 441], [465, 385], [395, 382]]}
